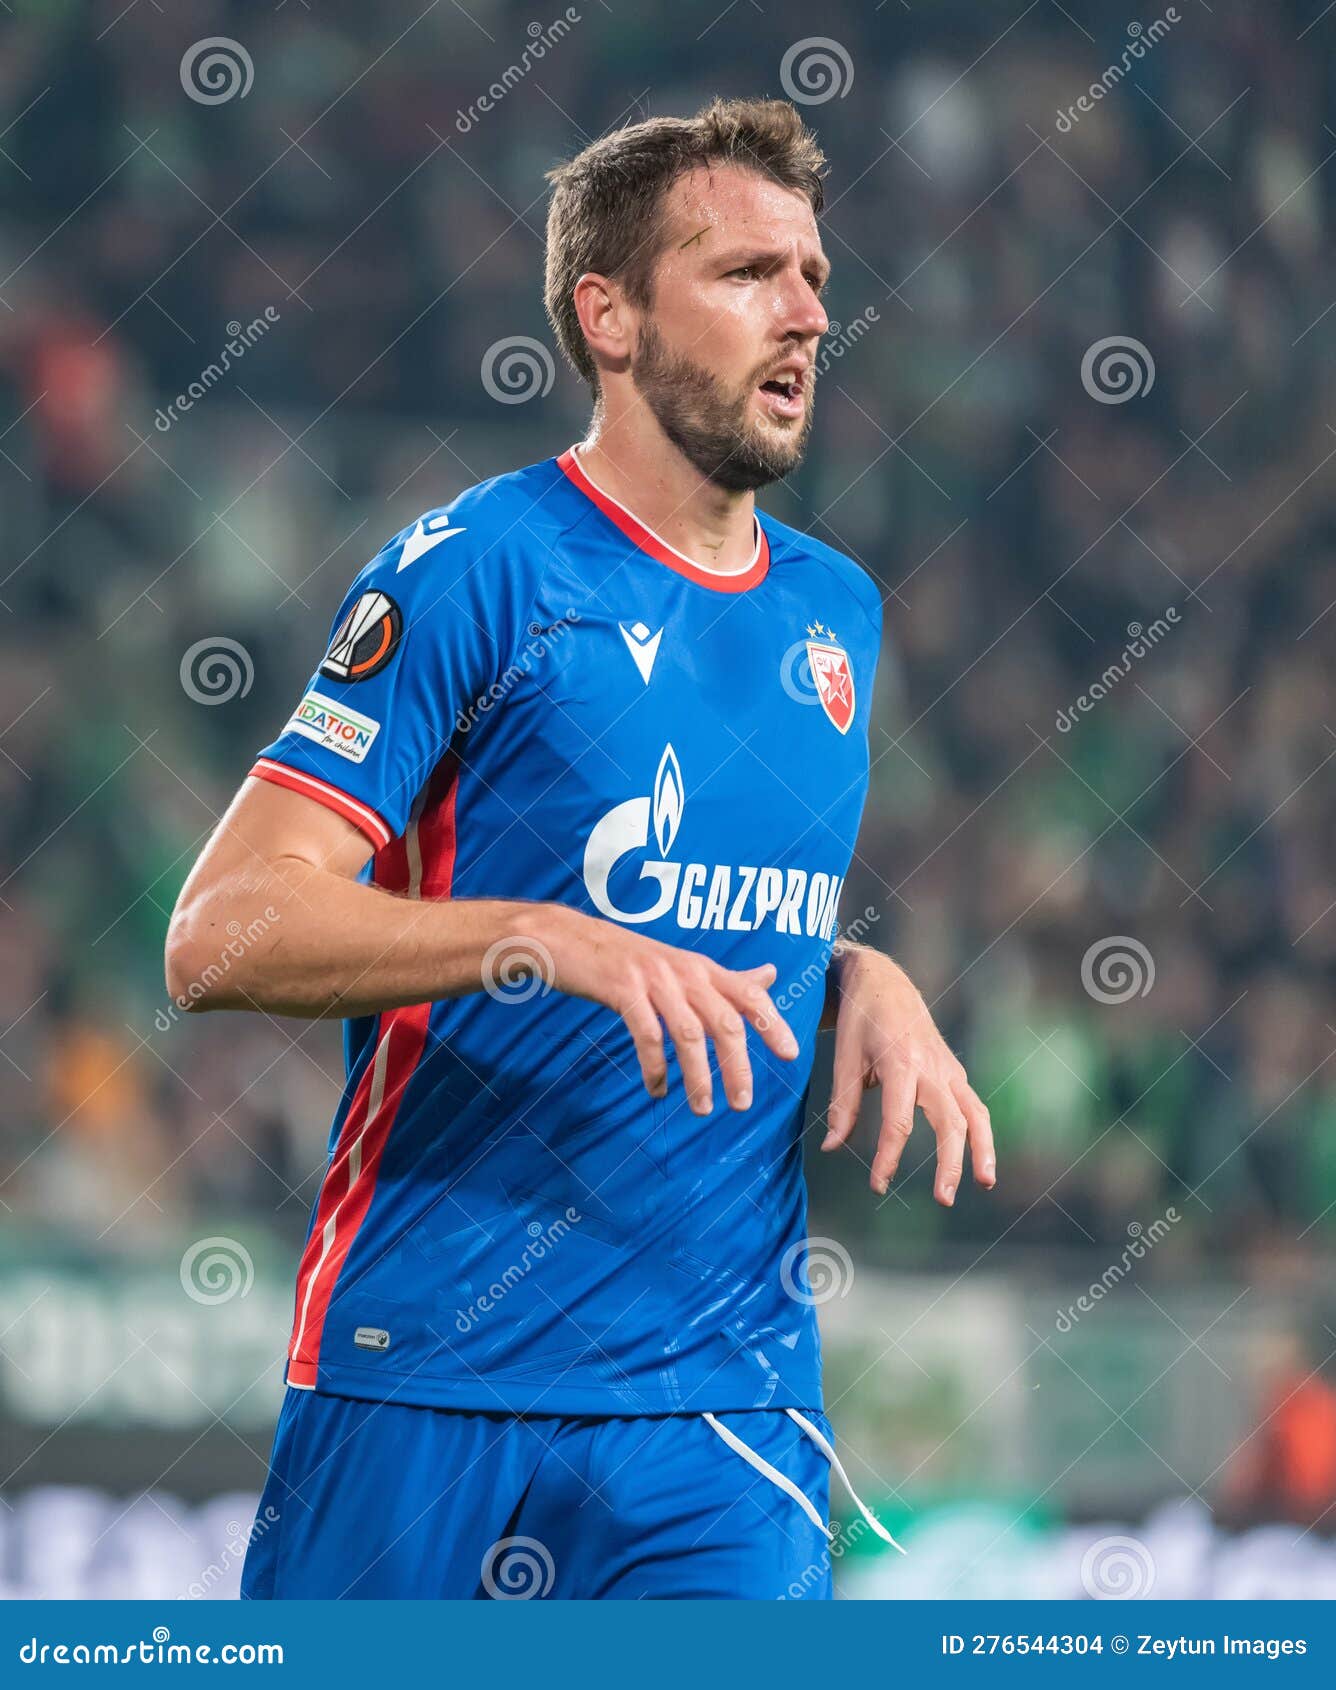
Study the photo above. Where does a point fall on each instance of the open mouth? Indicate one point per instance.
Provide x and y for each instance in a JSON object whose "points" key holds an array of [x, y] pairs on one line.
{"points": [[784, 395]]}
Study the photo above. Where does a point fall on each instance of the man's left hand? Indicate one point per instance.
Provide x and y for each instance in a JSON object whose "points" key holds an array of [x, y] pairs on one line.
{"points": [[885, 1035]]}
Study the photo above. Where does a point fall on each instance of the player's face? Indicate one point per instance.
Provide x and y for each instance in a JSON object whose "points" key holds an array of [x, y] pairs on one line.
{"points": [[725, 356]]}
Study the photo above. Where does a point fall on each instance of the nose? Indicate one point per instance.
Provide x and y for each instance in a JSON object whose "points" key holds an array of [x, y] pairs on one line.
{"points": [[803, 313]]}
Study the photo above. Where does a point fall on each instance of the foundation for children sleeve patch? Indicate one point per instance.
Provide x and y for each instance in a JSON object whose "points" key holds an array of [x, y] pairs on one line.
{"points": [[335, 726]]}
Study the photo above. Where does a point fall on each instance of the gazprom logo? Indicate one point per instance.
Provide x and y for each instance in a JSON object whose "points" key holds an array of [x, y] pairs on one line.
{"points": [[722, 896], [669, 800]]}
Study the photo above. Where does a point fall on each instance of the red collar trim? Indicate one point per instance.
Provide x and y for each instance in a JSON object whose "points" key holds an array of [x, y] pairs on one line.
{"points": [[650, 543]]}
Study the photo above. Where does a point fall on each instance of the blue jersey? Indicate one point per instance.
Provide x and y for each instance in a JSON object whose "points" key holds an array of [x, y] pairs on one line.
{"points": [[528, 695]]}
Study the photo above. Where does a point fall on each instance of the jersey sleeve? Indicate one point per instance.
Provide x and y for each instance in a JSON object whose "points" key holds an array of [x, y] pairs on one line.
{"points": [[424, 631]]}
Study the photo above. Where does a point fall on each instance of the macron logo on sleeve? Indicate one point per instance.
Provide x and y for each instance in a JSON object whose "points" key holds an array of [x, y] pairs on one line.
{"points": [[424, 537]]}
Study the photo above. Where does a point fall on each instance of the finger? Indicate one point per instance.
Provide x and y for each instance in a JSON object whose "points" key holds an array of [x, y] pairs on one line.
{"points": [[647, 1031], [689, 1041], [983, 1156], [747, 990], [846, 1088], [725, 1026], [948, 1122], [898, 1089]]}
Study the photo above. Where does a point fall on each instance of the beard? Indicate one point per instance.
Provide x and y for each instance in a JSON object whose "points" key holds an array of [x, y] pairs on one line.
{"points": [[707, 420]]}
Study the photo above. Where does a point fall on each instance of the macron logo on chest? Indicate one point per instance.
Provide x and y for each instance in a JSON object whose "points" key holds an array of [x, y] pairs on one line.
{"points": [[643, 644]]}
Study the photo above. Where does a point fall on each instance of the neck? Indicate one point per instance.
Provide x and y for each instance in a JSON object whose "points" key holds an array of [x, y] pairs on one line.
{"points": [[628, 455]]}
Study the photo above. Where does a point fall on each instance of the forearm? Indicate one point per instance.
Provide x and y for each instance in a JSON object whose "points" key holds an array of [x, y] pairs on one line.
{"points": [[293, 938]]}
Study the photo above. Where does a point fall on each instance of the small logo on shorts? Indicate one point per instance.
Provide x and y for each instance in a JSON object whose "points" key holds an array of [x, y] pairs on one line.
{"points": [[371, 1338]]}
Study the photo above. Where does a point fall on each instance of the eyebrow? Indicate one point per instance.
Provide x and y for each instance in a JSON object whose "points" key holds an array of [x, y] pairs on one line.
{"points": [[768, 255]]}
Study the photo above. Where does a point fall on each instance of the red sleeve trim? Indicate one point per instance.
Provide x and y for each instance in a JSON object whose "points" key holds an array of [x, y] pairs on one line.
{"points": [[311, 786]]}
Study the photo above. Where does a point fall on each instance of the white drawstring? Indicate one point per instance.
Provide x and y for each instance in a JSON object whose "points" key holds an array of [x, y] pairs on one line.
{"points": [[827, 1449], [774, 1475], [762, 1466]]}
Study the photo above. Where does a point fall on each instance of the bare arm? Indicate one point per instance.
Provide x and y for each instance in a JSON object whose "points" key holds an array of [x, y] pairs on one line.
{"points": [[272, 917], [277, 879], [885, 1035]]}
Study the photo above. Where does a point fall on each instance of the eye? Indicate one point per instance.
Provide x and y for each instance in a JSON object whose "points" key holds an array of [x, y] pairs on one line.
{"points": [[747, 271]]}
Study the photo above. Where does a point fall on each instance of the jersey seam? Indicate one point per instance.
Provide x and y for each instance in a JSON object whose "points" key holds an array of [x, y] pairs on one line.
{"points": [[541, 582], [874, 616]]}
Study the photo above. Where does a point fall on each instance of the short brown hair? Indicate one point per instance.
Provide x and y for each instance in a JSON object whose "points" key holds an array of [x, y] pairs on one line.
{"points": [[607, 204]]}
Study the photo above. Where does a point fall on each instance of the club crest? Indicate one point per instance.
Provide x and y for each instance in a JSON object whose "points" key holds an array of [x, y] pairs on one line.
{"points": [[833, 679]]}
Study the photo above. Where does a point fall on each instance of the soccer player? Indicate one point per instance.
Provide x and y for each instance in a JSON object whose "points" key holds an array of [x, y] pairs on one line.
{"points": [[559, 828]]}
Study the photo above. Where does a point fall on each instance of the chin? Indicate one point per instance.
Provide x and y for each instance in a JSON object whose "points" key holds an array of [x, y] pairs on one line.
{"points": [[777, 447], [748, 471]]}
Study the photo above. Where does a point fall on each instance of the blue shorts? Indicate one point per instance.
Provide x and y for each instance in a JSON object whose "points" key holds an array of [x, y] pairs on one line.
{"points": [[378, 1499]]}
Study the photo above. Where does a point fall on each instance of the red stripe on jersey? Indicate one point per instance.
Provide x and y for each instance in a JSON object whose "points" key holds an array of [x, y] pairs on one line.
{"points": [[389, 866], [421, 862], [311, 786], [350, 1181], [437, 839], [647, 541]]}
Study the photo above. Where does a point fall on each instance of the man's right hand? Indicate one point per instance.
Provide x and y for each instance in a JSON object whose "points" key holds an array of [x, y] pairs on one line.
{"points": [[319, 942], [653, 986]]}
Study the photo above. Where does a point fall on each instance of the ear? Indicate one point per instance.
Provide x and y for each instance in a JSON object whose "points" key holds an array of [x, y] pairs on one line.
{"points": [[607, 320]]}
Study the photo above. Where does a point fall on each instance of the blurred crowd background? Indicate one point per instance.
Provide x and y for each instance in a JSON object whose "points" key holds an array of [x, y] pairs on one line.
{"points": [[1101, 822]]}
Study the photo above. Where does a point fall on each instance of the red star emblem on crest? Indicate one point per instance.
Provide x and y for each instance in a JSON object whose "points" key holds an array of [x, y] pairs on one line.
{"points": [[834, 681]]}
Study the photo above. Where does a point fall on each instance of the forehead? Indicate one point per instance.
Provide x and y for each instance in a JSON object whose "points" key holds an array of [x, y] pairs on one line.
{"points": [[723, 202]]}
